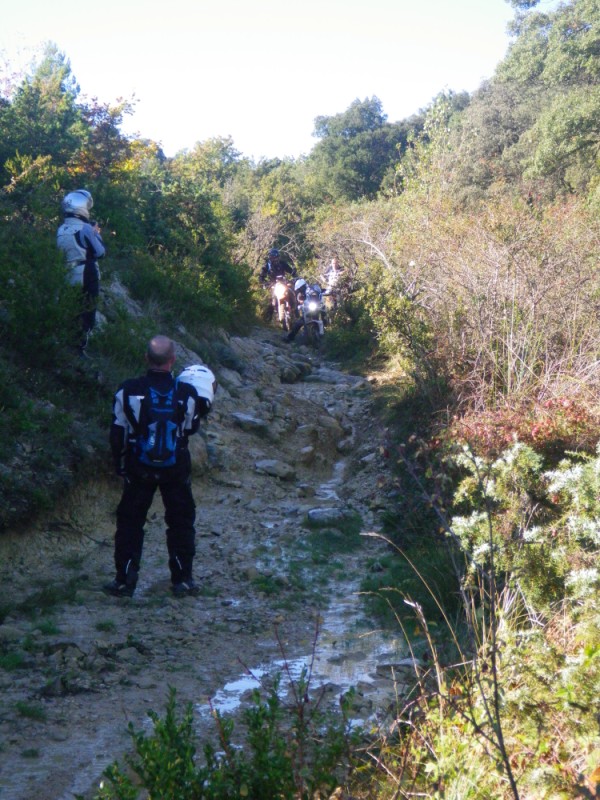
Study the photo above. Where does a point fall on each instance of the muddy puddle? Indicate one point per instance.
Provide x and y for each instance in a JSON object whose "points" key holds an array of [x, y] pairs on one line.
{"points": [[347, 652]]}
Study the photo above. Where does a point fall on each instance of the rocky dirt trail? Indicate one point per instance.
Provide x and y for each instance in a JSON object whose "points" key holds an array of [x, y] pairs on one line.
{"points": [[290, 437]]}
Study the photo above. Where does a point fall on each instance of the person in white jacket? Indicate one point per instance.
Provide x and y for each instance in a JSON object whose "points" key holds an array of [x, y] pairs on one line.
{"points": [[81, 242]]}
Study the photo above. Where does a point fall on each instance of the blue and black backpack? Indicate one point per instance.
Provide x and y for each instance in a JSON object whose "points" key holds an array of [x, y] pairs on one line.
{"points": [[161, 416]]}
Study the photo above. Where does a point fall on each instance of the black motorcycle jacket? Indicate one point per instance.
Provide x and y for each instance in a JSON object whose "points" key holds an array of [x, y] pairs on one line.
{"points": [[127, 405], [276, 269]]}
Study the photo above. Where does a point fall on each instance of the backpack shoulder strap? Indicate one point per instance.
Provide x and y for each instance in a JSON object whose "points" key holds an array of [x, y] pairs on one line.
{"points": [[133, 392]]}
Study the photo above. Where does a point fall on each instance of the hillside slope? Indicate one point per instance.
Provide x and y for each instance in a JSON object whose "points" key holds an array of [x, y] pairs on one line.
{"points": [[84, 665]]}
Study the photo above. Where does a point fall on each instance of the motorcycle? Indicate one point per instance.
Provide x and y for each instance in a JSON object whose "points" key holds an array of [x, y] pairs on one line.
{"points": [[313, 316], [283, 303]]}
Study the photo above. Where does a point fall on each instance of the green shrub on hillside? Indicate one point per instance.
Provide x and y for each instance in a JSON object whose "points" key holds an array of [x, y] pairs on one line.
{"points": [[38, 310], [424, 572], [189, 292]]}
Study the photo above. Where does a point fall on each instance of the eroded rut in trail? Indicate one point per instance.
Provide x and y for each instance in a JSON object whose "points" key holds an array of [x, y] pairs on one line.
{"points": [[288, 435]]}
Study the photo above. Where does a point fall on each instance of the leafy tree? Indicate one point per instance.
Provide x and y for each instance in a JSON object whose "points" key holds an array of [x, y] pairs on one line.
{"points": [[567, 134], [488, 141], [556, 48], [43, 118], [537, 122], [278, 201], [523, 4], [218, 167], [574, 45], [361, 116], [356, 149], [105, 146], [426, 165], [527, 53], [212, 162]]}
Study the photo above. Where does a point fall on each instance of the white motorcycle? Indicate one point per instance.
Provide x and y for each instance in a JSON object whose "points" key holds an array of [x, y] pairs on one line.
{"points": [[313, 316]]}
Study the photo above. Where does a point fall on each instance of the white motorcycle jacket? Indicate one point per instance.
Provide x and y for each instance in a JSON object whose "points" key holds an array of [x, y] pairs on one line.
{"points": [[80, 243]]}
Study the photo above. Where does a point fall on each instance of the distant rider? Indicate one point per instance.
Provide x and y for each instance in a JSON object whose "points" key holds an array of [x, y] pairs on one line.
{"points": [[332, 276], [275, 267], [82, 246]]}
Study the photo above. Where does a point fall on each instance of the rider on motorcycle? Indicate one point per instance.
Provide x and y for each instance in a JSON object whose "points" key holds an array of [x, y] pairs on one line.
{"points": [[275, 268], [301, 290]]}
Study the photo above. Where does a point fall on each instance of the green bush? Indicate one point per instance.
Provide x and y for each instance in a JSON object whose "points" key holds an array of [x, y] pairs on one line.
{"points": [[291, 753], [31, 711], [350, 342], [38, 309], [12, 660], [188, 291], [123, 341]]}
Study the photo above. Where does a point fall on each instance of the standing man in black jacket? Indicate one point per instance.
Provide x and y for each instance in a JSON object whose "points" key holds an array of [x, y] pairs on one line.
{"points": [[153, 416]]}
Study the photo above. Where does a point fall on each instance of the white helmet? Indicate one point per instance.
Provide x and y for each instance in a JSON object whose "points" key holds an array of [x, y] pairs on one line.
{"points": [[79, 203], [299, 284], [201, 378]]}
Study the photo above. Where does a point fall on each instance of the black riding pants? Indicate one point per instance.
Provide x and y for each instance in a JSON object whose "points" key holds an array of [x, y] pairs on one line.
{"points": [[180, 514], [90, 291]]}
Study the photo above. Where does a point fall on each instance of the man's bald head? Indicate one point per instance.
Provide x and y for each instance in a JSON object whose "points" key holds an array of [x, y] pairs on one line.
{"points": [[161, 352]]}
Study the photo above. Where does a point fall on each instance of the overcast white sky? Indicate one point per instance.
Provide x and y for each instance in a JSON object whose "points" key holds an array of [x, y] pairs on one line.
{"points": [[260, 71]]}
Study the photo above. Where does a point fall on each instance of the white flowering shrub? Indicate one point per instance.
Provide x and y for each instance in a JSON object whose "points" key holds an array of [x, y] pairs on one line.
{"points": [[576, 488], [538, 529]]}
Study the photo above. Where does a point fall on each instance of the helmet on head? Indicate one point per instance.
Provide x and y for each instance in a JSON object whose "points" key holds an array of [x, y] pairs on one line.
{"points": [[274, 253], [299, 284], [78, 203]]}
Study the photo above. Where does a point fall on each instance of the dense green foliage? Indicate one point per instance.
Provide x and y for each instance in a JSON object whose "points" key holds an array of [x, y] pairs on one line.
{"points": [[293, 752], [469, 240], [356, 149]]}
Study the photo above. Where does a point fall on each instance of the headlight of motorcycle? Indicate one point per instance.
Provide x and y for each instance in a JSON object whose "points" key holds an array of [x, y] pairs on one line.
{"points": [[280, 291], [313, 305]]}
